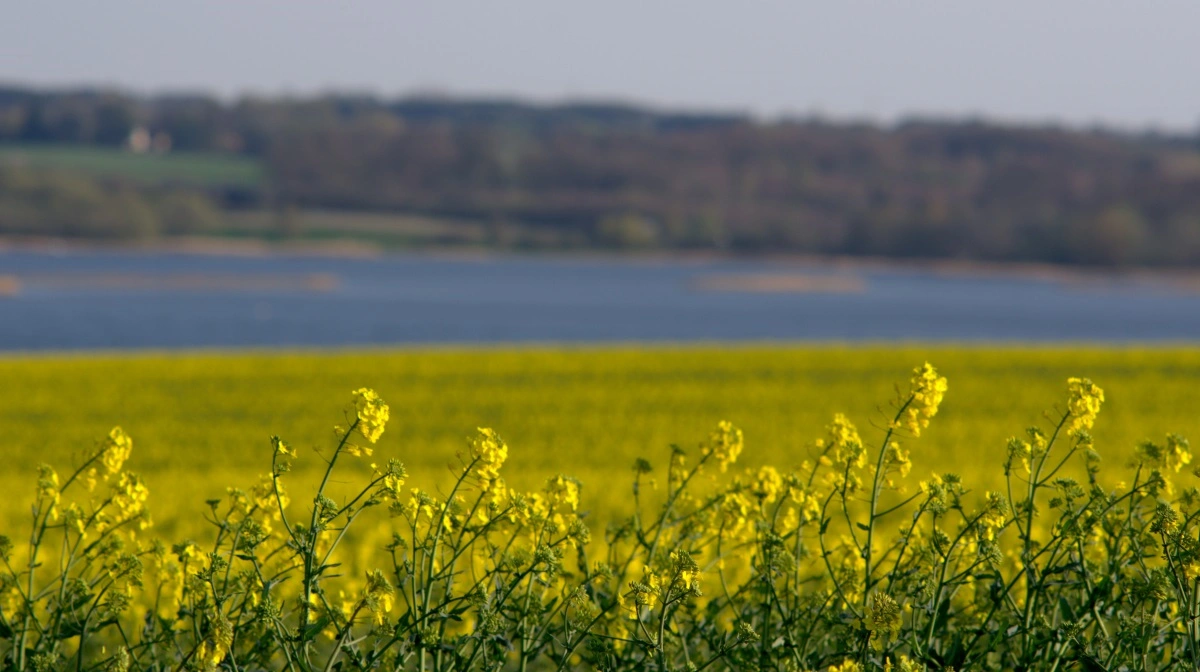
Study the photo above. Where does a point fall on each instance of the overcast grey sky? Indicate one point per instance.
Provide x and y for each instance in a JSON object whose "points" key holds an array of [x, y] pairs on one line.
{"points": [[1133, 64]]}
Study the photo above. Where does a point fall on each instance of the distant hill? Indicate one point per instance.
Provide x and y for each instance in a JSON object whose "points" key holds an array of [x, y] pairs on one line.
{"points": [[509, 173]]}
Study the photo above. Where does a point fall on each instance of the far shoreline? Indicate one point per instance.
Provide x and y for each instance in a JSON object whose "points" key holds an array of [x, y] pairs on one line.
{"points": [[1185, 279]]}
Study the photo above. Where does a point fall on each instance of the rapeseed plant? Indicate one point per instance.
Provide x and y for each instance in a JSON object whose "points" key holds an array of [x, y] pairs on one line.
{"points": [[838, 563]]}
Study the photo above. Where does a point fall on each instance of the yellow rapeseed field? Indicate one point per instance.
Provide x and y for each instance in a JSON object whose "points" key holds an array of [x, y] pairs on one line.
{"points": [[791, 542], [202, 422]]}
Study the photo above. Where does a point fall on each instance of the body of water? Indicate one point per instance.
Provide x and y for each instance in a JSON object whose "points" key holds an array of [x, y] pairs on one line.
{"points": [[132, 300]]}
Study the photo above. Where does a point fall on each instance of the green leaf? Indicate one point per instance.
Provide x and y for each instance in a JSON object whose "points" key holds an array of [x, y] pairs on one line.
{"points": [[311, 631], [1065, 607], [69, 630]]}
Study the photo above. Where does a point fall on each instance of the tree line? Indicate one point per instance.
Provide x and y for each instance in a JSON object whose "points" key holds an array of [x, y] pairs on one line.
{"points": [[600, 175]]}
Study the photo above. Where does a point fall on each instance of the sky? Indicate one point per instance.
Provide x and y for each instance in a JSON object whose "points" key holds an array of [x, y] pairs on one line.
{"points": [[1126, 64]]}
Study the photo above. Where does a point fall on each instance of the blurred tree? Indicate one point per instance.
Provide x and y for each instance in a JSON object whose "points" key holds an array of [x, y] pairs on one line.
{"points": [[35, 128], [627, 231], [114, 121], [287, 220], [571, 175], [1116, 236], [188, 213], [37, 203]]}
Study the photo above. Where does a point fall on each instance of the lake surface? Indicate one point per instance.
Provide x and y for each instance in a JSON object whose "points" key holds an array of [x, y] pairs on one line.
{"points": [[132, 300]]}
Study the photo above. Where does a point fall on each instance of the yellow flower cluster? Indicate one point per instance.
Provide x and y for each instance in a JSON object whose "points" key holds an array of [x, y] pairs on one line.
{"points": [[48, 489], [724, 444], [679, 577], [904, 664], [1178, 452], [895, 458], [842, 444], [884, 619], [552, 510], [117, 447], [1164, 460], [215, 647], [674, 579], [677, 470], [937, 489], [842, 449], [130, 495], [420, 505], [391, 479], [808, 504], [994, 516], [642, 594], [378, 596], [563, 490], [768, 484], [282, 449], [264, 493], [74, 518], [170, 579], [11, 602], [372, 413], [926, 390], [1083, 403], [1027, 451], [489, 451], [498, 497], [737, 514], [684, 567]]}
